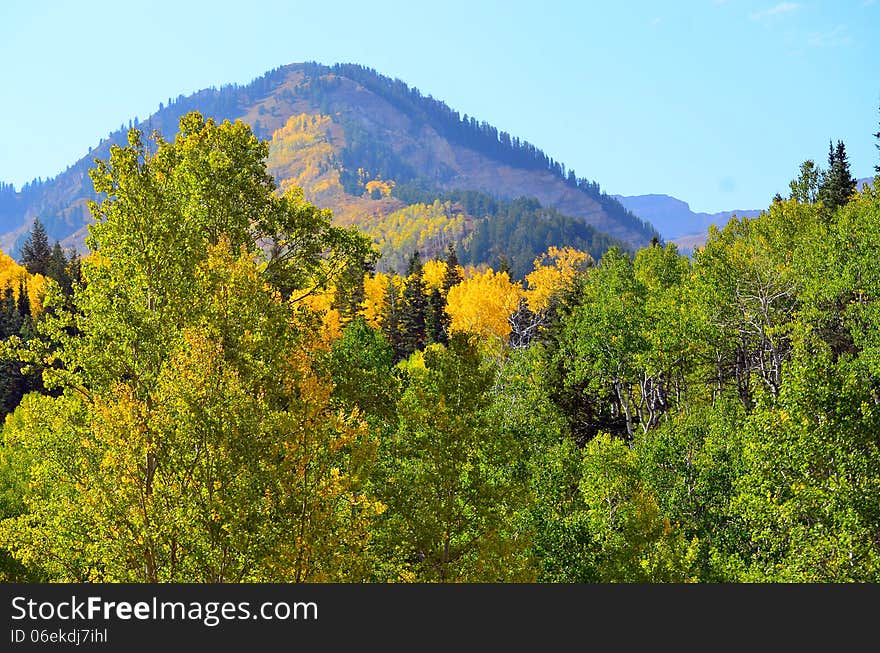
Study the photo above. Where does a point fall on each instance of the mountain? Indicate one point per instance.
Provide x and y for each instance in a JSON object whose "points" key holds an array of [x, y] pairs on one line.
{"points": [[676, 222], [673, 218], [379, 154]]}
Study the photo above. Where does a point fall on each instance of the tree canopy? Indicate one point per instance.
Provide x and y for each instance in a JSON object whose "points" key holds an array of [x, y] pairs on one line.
{"points": [[231, 392]]}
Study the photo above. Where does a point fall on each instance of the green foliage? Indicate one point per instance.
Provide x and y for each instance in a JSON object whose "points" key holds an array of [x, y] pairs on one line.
{"points": [[36, 255], [838, 184], [633, 541], [808, 494], [601, 343], [760, 466], [445, 477], [672, 420], [191, 438], [361, 364], [805, 188]]}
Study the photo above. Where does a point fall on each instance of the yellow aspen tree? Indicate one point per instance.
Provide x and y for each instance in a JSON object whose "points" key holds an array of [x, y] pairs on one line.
{"points": [[482, 304]]}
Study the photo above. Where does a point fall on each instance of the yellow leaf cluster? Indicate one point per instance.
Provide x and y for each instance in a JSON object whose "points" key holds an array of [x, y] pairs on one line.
{"points": [[331, 323], [433, 272], [482, 304], [384, 187], [427, 228], [553, 271], [301, 154], [375, 288], [12, 275]]}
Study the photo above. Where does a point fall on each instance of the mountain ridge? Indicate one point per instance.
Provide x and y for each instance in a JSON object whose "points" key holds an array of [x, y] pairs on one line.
{"points": [[674, 217], [677, 223], [348, 136]]}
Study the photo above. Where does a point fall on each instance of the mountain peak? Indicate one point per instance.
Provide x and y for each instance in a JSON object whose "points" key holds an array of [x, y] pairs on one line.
{"points": [[349, 137]]}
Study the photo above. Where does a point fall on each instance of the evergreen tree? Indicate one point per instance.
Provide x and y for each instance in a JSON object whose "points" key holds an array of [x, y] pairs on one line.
{"points": [[36, 253], [437, 318], [413, 315], [74, 267], [503, 264], [24, 302], [838, 184], [12, 383], [391, 319], [57, 268], [453, 275], [10, 318]]}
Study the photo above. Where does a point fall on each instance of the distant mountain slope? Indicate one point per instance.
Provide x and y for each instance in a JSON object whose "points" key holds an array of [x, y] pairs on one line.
{"points": [[676, 222], [349, 137], [673, 218]]}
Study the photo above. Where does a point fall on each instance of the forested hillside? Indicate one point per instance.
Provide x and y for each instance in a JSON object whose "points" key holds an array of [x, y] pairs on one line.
{"points": [[349, 137], [227, 390]]}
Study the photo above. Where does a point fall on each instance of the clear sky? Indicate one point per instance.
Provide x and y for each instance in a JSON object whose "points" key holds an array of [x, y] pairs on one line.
{"points": [[715, 102]]}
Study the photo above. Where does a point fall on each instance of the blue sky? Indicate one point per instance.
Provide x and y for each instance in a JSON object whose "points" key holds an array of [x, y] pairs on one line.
{"points": [[715, 102]]}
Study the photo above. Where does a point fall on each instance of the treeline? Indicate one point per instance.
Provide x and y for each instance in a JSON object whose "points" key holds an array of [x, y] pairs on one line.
{"points": [[248, 400], [505, 235], [523, 230]]}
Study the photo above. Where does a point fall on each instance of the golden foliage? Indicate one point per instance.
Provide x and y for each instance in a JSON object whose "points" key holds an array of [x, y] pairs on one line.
{"points": [[301, 155], [433, 272], [427, 228], [384, 187], [321, 304], [12, 275], [553, 271], [375, 287], [482, 304]]}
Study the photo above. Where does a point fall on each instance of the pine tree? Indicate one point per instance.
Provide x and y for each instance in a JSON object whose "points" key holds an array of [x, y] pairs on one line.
{"points": [[453, 275], [74, 266], [503, 264], [391, 319], [838, 184], [13, 384], [24, 302], [10, 318], [413, 316], [57, 268], [437, 318], [36, 253]]}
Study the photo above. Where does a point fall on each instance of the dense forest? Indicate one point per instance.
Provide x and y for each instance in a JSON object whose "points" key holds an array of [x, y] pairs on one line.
{"points": [[501, 234], [225, 389]]}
